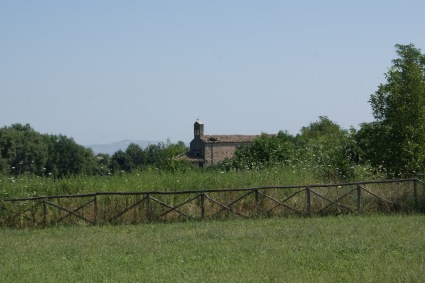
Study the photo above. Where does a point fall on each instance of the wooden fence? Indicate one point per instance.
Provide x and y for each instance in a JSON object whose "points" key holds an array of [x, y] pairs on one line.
{"points": [[405, 195]]}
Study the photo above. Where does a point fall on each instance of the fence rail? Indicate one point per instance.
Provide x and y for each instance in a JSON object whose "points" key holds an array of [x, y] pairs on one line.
{"points": [[144, 207]]}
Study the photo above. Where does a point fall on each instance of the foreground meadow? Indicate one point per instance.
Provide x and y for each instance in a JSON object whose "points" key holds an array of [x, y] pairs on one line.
{"points": [[372, 248]]}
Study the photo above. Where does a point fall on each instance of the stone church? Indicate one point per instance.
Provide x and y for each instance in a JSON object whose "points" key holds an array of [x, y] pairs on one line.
{"points": [[211, 149]]}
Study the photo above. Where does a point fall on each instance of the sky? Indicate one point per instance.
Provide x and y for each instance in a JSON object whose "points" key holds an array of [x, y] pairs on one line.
{"points": [[105, 71]]}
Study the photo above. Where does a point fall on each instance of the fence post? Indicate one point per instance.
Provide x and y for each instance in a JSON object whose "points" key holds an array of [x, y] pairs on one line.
{"points": [[359, 197], [44, 212], [203, 205], [415, 194], [148, 206], [257, 203], [95, 208], [307, 191]]}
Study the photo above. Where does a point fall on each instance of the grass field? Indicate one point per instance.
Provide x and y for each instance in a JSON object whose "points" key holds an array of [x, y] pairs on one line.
{"points": [[372, 248]]}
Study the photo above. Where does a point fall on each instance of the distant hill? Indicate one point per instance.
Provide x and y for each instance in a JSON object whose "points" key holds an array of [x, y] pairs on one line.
{"points": [[120, 145]]}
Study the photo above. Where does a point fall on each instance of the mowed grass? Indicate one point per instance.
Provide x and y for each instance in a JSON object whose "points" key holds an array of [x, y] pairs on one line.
{"points": [[372, 248]]}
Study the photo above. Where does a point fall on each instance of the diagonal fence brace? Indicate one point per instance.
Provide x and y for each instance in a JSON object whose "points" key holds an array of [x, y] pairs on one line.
{"points": [[222, 205], [70, 211], [127, 209], [334, 202], [282, 203]]}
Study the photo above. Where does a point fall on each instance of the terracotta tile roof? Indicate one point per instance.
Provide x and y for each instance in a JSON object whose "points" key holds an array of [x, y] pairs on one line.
{"points": [[228, 138]]}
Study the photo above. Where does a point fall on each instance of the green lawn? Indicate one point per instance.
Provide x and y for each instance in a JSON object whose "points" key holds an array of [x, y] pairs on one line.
{"points": [[328, 249]]}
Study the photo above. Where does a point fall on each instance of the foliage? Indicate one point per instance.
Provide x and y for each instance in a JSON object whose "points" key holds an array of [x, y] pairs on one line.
{"points": [[136, 154], [330, 149], [323, 146], [371, 145], [67, 158], [121, 161], [265, 151], [162, 155], [3, 165], [102, 162], [396, 139], [23, 149]]}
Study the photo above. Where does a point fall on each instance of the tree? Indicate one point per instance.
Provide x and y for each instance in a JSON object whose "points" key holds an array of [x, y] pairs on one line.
{"points": [[101, 164], [121, 161], [155, 154], [67, 158], [136, 154], [23, 149], [329, 148], [399, 109], [371, 144], [265, 151], [173, 150], [3, 164], [170, 162]]}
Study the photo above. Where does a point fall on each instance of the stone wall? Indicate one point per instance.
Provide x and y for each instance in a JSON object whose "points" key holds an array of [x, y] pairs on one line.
{"points": [[217, 152]]}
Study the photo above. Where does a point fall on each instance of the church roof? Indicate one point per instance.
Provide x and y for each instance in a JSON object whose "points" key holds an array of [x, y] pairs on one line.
{"points": [[228, 138]]}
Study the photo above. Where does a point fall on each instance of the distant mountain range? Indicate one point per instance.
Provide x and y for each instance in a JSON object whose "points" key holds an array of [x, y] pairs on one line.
{"points": [[111, 148]]}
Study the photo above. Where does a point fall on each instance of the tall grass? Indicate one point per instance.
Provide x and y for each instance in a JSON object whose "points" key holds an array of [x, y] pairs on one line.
{"points": [[328, 249], [152, 180]]}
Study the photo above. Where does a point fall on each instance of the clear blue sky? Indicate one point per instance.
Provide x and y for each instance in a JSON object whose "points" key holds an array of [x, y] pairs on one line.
{"points": [[104, 71]]}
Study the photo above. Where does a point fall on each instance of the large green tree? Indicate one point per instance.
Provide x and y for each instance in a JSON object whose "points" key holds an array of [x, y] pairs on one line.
{"points": [[121, 162], [329, 148], [67, 158], [22, 149], [399, 109], [137, 155], [265, 151]]}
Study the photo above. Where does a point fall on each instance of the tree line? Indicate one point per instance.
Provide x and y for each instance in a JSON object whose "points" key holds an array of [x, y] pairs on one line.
{"points": [[24, 150], [393, 144], [323, 147]]}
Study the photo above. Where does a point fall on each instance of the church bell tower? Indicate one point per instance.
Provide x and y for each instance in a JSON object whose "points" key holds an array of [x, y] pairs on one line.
{"points": [[198, 128]]}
